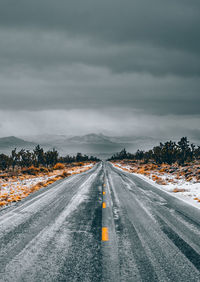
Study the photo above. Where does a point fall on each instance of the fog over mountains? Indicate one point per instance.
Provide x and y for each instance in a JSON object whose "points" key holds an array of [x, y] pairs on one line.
{"points": [[114, 67], [96, 144], [11, 142], [99, 145]]}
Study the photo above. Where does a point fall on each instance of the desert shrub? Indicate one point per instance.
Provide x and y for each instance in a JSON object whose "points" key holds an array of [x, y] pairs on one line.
{"points": [[16, 198], [65, 174], [198, 177], [80, 163], [189, 178], [50, 181], [44, 169], [141, 170], [36, 187], [163, 169], [160, 181], [155, 177], [3, 203], [176, 190], [59, 166], [3, 176], [170, 180], [31, 170]]}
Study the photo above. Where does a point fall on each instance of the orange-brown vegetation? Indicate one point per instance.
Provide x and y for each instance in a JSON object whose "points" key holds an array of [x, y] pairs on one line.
{"points": [[161, 181], [31, 170], [189, 172], [80, 163], [59, 166], [197, 199], [176, 190], [19, 191]]}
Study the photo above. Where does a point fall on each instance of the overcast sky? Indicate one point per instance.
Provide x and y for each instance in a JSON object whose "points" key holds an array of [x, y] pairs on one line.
{"points": [[128, 67]]}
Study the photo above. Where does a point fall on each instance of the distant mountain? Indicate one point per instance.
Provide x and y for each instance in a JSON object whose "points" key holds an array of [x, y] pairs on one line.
{"points": [[98, 145], [45, 139], [101, 145], [11, 142], [131, 139], [90, 139], [115, 141]]}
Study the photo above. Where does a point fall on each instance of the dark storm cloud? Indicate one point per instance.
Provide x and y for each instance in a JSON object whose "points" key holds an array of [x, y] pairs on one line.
{"points": [[49, 49], [81, 87], [163, 22], [111, 54], [156, 36]]}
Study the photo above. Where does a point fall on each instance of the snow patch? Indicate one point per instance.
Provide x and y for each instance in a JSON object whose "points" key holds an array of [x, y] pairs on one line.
{"points": [[187, 191]]}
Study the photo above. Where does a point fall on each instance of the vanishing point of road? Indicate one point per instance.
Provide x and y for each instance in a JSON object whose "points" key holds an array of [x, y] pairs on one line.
{"points": [[101, 225]]}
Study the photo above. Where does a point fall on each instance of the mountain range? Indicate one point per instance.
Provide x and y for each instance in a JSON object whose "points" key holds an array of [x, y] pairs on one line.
{"points": [[11, 142], [99, 145]]}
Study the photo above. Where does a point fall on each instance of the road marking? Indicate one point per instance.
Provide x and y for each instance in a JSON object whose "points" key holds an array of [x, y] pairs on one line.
{"points": [[104, 185], [105, 234], [104, 205], [104, 192]]}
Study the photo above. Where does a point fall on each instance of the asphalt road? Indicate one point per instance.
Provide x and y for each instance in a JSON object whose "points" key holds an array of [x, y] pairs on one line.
{"points": [[101, 225]]}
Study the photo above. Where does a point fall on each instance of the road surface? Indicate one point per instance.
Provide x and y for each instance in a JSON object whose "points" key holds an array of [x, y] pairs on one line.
{"points": [[101, 225]]}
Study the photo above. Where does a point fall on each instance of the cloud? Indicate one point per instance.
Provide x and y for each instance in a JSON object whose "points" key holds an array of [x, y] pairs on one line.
{"points": [[81, 86], [116, 121], [160, 22], [41, 49], [62, 57]]}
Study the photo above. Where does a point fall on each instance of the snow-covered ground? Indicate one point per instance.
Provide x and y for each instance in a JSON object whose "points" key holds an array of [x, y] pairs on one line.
{"points": [[188, 191], [19, 185], [19, 188], [79, 169]]}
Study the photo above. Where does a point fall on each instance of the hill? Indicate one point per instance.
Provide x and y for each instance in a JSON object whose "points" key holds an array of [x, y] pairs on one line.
{"points": [[11, 142]]}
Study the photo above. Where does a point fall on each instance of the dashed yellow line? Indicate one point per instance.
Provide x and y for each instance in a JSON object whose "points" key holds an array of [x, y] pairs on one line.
{"points": [[104, 229], [105, 234]]}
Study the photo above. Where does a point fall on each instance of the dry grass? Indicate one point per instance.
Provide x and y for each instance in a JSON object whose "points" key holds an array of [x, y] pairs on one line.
{"points": [[160, 181], [59, 166], [79, 164], [197, 199], [190, 178], [65, 174], [189, 172], [21, 191], [32, 170], [176, 190], [155, 177]]}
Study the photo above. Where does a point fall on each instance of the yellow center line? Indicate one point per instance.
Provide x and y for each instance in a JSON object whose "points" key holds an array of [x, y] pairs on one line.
{"points": [[105, 234], [104, 192], [104, 205], [104, 185]]}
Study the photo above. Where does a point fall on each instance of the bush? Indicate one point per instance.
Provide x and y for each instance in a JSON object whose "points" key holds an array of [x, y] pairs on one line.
{"points": [[80, 163], [4, 176], [65, 174], [31, 170], [59, 166], [176, 190], [44, 169]]}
